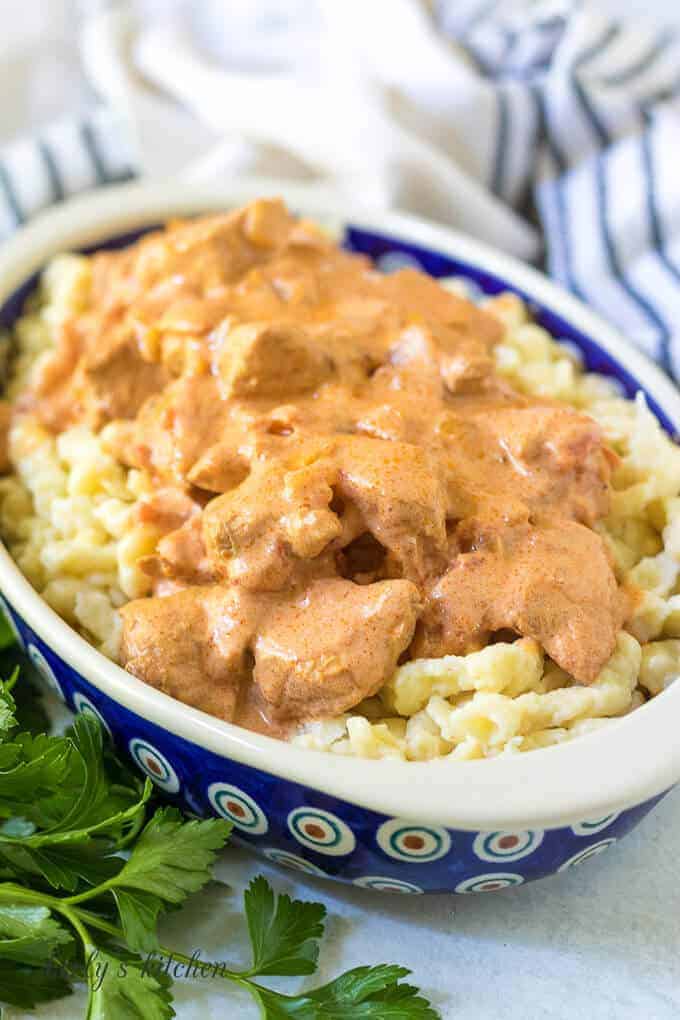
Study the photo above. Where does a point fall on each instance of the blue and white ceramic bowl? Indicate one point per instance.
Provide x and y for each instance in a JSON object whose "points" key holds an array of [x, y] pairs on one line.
{"points": [[407, 827]]}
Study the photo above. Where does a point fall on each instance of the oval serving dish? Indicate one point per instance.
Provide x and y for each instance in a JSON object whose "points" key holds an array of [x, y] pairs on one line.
{"points": [[401, 826]]}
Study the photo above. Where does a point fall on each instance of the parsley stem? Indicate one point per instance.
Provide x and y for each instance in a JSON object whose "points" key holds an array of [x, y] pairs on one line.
{"points": [[137, 825], [94, 921], [76, 923], [90, 894], [18, 894], [78, 917], [81, 919]]}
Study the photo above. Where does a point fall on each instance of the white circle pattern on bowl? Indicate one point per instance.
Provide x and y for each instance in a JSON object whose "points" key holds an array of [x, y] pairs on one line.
{"points": [[406, 841], [584, 855], [385, 884], [392, 261], [288, 860], [83, 706], [239, 807], [593, 825], [507, 846], [45, 670], [321, 831], [154, 764], [491, 882], [9, 620]]}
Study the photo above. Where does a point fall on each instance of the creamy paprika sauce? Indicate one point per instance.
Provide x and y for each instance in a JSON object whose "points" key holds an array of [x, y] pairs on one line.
{"points": [[342, 480]]}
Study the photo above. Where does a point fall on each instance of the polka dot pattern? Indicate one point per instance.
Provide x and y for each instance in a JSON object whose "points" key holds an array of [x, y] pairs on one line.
{"points": [[507, 846], [491, 882], [84, 706], [288, 860], [45, 670], [154, 764], [591, 851], [321, 831], [594, 825], [239, 807], [406, 841], [382, 884]]}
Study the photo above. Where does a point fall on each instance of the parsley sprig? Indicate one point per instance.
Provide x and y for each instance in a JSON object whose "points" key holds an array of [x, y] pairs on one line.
{"points": [[88, 866]]}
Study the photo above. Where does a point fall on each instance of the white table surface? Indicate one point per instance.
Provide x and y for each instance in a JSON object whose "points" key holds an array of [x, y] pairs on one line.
{"points": [[601, 942]]}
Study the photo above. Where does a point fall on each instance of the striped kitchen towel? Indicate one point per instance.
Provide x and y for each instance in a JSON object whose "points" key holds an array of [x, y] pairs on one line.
{"points": [[545, 114], [586, 127], [67, 157]]}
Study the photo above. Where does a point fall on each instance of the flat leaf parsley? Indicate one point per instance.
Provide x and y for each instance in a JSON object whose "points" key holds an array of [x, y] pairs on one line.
{"points": [[89, 864]]}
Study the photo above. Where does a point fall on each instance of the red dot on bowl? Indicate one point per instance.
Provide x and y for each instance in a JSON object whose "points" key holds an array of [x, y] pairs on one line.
{"points": [[235, 808], [313, 830], [413, 842], [507, 842], [490, 886], [154, 767]]}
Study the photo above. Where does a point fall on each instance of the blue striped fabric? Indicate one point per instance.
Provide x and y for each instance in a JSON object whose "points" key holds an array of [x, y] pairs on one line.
{"points": [[588, 123], [67, 157]]}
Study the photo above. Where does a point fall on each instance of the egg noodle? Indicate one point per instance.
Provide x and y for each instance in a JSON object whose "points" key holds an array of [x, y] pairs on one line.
{"points": [[68, 517]]}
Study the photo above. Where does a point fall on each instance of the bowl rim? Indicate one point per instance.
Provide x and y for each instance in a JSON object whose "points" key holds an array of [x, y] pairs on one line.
{"points": [[587, 778]]}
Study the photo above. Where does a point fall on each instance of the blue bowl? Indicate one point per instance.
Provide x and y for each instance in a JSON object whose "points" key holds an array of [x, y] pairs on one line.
{"points": [[397, 826]]}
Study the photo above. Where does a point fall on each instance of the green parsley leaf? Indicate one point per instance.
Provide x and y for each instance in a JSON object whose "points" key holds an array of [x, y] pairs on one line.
{"points": [[139, 916], [6, 633], [41, 767], [30, 710], [68, 806], [29, 934], [90, 803], [284, 933], [9, 755], [63, 867], [173, 857], [75, 799], [96, 799], [365, 993], [26, 987], [121, 987], [7, 707]]}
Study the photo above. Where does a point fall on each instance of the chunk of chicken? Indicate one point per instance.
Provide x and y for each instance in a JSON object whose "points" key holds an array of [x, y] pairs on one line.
{"points": [[554, 584], [191, 645], [116, 380], [183, 556], [280, 516], [560, 454], [169, 434], [332, 646], [268, 359], [419, 295], [399, 493], [260, 532]]}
